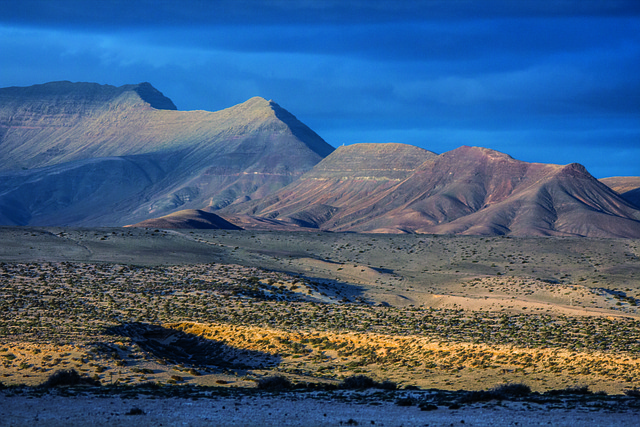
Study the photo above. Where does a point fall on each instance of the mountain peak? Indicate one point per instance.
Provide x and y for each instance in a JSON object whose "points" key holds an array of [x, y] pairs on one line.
{"points": [[375, 156], [65, 97], [153, 97], [478, 152], [259, 112], [575, 170], [371, 161], [257, 102]]}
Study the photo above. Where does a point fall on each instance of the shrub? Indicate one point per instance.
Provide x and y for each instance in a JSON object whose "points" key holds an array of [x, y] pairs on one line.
{"points": [[634, 392], [505, 391], [275, 382], [149, 385], [358, 382], [361, 382], [427, 406], [476, 396], [580, 390], [404, 401], [68, 377], [511, 390], [135, 411], [388, 385], [577, 390]]}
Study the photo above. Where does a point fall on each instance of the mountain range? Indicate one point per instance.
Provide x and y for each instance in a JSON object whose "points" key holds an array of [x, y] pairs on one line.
{"points": [[469, 190], [97, 155], [83, 154]]}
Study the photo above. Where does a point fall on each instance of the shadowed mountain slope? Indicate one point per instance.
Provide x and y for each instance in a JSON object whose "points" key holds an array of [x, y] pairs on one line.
{"points": [[188, 218], [469, 190], [61, 132], [83, 192], [627, 186]]}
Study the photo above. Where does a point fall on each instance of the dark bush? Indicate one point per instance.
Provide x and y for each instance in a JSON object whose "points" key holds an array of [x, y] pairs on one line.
{"points": [[135, 411], [576, 390], [276, 382], [579, 390], [427, 407], [388, 385], [505, 391], [634, 392], [476, 396], [358, 382], [511, 390], [361, 382], [404, 401], [68, 377], [315, 386], [149, 385]]}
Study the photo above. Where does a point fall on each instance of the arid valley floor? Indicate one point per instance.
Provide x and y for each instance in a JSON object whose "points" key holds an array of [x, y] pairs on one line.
{"points": [[225, 309]]}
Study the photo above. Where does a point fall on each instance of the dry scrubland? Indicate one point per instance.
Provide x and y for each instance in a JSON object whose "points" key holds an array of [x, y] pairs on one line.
{"points": [[433, 312]]}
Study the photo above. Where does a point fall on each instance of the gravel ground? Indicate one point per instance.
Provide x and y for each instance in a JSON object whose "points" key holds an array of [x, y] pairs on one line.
{"points": [[274, 410]]}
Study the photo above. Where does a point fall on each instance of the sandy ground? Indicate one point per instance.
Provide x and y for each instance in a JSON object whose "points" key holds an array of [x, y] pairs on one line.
{"points": [[51, 410]]}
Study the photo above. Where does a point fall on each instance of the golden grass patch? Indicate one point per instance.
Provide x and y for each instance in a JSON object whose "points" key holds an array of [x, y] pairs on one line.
{"points": [[418, 360]]}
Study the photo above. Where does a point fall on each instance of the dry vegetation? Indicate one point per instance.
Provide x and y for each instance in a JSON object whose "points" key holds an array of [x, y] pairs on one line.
{"points": [[219, 324]]}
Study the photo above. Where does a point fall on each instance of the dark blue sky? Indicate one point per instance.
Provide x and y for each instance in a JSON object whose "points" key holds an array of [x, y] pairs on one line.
{"points": [[553, 81]]}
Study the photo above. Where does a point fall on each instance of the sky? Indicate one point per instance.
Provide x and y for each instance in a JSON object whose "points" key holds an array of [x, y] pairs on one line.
{"points": [[551, 81]]}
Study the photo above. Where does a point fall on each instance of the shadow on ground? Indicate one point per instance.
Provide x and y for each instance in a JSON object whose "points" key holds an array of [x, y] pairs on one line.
{"points": [[178, 347], [341, 291]]}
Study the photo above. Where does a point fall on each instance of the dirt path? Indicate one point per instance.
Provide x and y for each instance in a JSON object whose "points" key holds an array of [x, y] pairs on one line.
{"points": [[50, 410]]}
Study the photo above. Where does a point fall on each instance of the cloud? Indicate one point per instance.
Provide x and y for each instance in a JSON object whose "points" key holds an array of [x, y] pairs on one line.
{"points": [[113, 14], [510, 75]]}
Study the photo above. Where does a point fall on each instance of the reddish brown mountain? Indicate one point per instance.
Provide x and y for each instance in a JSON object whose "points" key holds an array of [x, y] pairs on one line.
{"points": [[337, 187], [136, 157], [469, 190]]}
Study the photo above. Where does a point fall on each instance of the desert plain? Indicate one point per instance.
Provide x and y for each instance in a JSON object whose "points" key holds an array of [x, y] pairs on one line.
{"points": [[222, 310]]}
